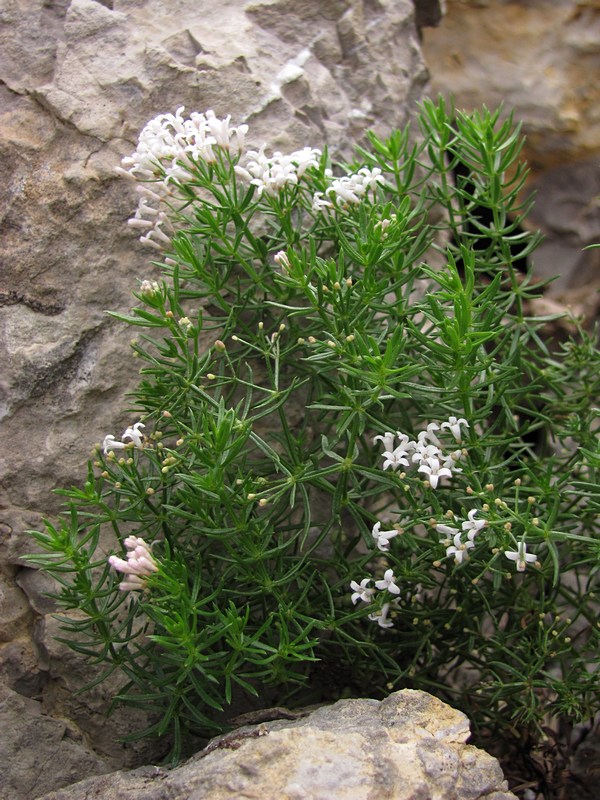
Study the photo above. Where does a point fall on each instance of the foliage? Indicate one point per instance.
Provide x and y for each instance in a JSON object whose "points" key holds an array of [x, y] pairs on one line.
{"points": [[298, 316]]}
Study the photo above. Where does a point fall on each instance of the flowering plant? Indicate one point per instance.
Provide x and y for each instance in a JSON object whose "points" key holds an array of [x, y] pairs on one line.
{"points": [[362, 462]]}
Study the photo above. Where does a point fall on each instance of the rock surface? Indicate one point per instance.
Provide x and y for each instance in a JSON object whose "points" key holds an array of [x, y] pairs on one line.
{"points": [[408, 747], [541, 60], [78, 80]]}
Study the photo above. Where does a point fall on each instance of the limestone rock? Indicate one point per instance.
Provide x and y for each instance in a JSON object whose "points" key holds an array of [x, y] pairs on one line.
{"points": [[78, 81], [409, 746], [37, 752], [541, 60]]}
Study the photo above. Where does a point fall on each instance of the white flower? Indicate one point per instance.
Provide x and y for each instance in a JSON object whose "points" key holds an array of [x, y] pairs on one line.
{"points": [[319, 202], [271, 174], [434, 471], [169, 138], [451, 460], [149, 288], [388, 440], [168, 148], [473, 526], [348, 189], [521, 556], [395, 458], [223, 134], [423, 452], [361, 591], [447, 531], [139, 564], [382, 538], [454, 425], [133, 433], [110, 443], [282, 260], [388, 582], [459, 549], [380, 617], [428, 436]]}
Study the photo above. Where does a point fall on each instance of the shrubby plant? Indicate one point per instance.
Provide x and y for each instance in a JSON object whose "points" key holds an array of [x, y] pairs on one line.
{"points": [[357, 460]]}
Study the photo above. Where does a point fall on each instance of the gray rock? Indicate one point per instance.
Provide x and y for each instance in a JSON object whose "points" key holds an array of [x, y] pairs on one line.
{"points": [[408, 747], [510, 53], [78, 81], [37, 751]]}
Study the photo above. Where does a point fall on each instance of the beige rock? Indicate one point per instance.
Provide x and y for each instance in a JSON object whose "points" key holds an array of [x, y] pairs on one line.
{"points": [[541, 60], [409, 746]]}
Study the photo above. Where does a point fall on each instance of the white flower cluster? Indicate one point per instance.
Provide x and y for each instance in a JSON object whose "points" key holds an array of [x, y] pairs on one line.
{"points": [[131, 435], [458, 547], [426, 451], [453, 537], [349, 190], [140, 563], [169, 139], [270, 174], [165, 145], [362, 591]]}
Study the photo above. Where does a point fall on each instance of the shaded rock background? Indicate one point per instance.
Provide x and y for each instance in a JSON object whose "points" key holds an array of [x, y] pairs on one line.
{"points": [[78, 80], [541, 58], [409, 746]]}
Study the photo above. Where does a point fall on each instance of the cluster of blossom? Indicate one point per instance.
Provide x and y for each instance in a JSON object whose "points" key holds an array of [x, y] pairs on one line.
{"points": [[458, 547], [362, 591], [426, 451], [453, 537], [150, 218], [140, 563], [270, 174], [131, 435], [165, 145], [169, 139], [349, 190]]}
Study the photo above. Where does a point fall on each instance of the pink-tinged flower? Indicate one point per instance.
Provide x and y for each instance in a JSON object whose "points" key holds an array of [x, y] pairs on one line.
{"points": [[454, 425], [388, 582], [361, 591], [459, 549], [382, 538], [521, 556], [139, 564]]}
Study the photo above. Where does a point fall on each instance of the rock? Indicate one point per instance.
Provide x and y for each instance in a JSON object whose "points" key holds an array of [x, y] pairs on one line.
{"points": [[78, 81], [406, 747], [541, 60], [37, 751]]}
